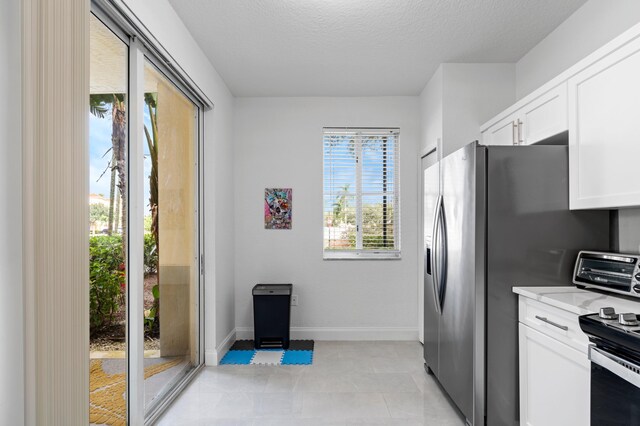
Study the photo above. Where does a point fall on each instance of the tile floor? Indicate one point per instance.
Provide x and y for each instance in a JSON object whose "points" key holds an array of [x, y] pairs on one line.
{"points": [[349, 383]]}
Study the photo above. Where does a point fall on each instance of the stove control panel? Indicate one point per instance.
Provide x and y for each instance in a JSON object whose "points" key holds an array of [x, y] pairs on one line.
{"points": [[621, 332], [608, 317]]}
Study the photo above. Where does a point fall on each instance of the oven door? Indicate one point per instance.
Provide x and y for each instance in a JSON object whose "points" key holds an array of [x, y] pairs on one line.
{"points": [[615, 389]]}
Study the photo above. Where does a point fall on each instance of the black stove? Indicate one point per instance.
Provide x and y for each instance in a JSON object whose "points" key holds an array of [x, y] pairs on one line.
{"points": [[615, 366], [607, 329]]}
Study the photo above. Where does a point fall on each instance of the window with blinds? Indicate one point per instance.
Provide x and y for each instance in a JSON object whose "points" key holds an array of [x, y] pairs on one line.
{"points": [[361, 193]]}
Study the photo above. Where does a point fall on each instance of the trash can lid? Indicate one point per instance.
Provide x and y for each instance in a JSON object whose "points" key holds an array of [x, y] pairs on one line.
{"points": [[272, 289]]}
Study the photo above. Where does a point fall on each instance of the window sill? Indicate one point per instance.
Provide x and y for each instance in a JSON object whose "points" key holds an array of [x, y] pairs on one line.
{"points": [[355, 255]]}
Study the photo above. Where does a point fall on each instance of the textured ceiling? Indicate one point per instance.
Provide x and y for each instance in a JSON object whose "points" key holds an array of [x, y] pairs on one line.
{"points": [[360, 47]]}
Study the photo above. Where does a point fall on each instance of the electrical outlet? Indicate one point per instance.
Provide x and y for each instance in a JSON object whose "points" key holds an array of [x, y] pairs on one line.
{"points": [[294, 300]]}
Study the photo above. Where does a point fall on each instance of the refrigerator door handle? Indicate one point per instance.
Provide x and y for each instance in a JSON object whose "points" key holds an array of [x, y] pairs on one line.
{"points": [[427, 260], [434, 254], [442, 239]]}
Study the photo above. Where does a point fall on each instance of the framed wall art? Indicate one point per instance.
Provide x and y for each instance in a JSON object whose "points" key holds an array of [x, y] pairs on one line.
{"points": [[277, 208]]}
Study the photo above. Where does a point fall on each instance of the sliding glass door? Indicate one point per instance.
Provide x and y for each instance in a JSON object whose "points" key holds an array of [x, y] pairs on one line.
{"points": [[171, 289], [144, 220], [108, 148]]}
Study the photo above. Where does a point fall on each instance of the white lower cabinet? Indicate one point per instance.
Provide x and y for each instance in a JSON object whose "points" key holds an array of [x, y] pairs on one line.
{"points": [[554, 381]]}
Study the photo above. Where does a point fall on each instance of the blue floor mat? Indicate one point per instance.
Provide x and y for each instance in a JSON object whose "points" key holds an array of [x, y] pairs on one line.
{"points": [[297, 358], [300, 352], [238, 357]]}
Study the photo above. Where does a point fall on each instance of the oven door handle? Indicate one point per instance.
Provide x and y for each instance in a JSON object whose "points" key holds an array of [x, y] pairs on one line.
{"points": [[618, 366]]}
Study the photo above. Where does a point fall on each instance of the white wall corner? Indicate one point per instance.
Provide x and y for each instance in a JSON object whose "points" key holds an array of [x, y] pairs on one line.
{"points": [[213, 357], [431, 115]]}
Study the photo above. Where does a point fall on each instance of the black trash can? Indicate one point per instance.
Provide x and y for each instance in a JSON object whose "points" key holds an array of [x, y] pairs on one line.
{"points": [[271, 315]]}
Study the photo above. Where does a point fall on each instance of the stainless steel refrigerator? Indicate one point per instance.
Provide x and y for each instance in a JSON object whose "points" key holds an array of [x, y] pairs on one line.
{"points": [[494, 217]]}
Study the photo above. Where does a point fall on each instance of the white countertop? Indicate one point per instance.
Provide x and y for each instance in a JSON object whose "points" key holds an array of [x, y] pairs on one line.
{"points": [[579, 301]]}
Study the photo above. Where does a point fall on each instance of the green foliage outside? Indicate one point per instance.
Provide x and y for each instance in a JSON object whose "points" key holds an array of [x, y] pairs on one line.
{"points": [[152, 316], [147, 224], [341, 211], [107, 278], [372, 214], [150, 255], [372, 228], [98, 213]]}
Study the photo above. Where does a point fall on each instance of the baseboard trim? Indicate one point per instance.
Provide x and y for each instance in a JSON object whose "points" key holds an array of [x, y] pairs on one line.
{"points": [[342, 333], [213, 357]]}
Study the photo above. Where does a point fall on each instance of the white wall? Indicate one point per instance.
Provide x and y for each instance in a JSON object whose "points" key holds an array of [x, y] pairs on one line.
{"points": [[459, 98], [278, 143], [629, 230], [472, 94], [590, 27], [431, 117], [11, 311], [164, 23]]}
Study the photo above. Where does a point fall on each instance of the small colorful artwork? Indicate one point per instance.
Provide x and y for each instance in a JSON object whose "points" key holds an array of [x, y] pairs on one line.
{"points": [[277, 208]]}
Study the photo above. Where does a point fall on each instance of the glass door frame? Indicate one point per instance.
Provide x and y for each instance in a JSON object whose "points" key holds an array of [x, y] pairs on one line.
{"points": [[138, 54], [156, 408]]}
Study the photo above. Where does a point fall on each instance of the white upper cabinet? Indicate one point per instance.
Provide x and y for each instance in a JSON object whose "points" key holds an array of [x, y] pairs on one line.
{"points": [[504, 132], [533, 119], [597, 101], [545, 116], [604, 131]]}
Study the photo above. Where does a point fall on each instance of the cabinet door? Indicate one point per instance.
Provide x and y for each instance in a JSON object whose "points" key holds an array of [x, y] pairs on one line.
{"points": [[553, 322], [554, 381], [544, 117], [502, 133], [604, 131]]}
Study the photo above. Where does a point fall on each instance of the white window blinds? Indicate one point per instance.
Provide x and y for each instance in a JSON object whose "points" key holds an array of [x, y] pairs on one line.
{"points": [[361, 193]]}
